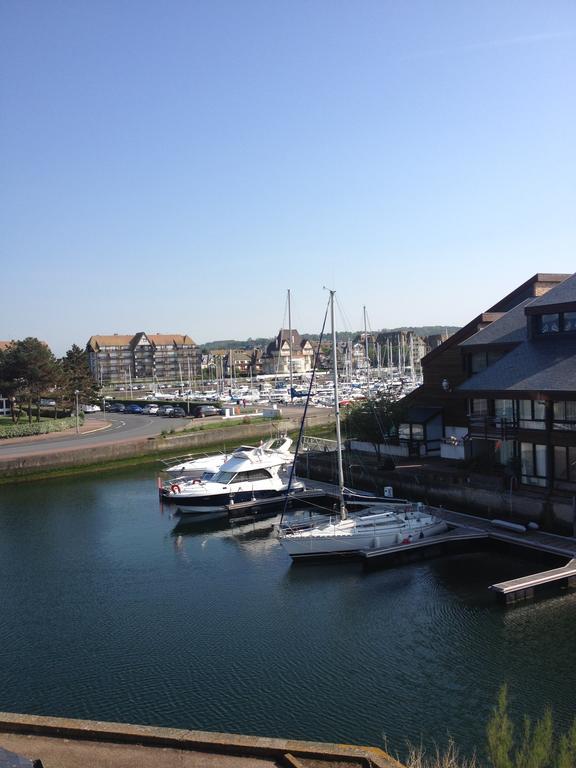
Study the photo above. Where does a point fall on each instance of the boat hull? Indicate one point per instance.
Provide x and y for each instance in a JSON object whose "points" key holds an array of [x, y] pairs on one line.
{"points": [[326, 545]]}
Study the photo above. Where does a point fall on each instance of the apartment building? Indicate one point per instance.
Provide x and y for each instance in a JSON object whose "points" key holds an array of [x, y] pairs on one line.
{"points": [[143, 358]]}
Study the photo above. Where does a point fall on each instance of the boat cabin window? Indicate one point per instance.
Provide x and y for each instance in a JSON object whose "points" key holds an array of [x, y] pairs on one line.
{"points": [[223, 477], [251, 475]]}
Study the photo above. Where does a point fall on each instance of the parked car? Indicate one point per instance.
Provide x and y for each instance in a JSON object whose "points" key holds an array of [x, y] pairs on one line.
{"points": [[90, 408], [206, 410], [115, 407], [133, 408], [177, 412], [164, 410], [151, 409]]}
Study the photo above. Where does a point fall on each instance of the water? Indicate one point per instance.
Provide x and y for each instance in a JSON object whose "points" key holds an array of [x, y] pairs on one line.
{"points": [[107, 614]]}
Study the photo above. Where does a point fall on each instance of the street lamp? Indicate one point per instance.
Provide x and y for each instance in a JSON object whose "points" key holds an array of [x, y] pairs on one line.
{"points": [[76, 393]]}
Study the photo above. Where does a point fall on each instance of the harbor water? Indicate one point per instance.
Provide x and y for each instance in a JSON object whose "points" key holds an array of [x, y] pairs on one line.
{"points": [[111, 611]]}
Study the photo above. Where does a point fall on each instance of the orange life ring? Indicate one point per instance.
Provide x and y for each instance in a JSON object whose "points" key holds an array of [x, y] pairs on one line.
{"points": [[175, 488]]}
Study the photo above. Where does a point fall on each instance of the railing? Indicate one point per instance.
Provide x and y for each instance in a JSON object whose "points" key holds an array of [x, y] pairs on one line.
{"points": [[319, 444], [492, 427]]}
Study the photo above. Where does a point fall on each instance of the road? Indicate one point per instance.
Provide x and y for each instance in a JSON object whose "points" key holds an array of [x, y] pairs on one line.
{"points": [[103, 429]]}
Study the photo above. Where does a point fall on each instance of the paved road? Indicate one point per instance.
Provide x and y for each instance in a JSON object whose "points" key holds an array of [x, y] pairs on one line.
{"points": [[103, 429]]}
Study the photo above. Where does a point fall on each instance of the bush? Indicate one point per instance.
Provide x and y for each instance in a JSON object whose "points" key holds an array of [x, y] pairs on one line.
{"points": [[38, 428]]}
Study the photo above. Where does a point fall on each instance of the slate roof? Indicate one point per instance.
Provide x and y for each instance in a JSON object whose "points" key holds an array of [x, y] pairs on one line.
{"points": [[174, 339], [563, 293], [125, 340], [508, 329], [543, 365]]}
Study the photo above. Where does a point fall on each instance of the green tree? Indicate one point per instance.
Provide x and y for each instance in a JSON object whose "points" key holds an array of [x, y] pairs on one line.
{"points": [[29, 371], [374, 420], [77, 376]]}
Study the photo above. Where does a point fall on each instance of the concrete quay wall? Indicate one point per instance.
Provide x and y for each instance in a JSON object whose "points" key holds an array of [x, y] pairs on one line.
{"points": [[70, 743]]}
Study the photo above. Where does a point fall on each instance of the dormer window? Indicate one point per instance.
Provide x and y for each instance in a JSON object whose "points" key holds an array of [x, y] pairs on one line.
{"points": [[549, 323], [559, 322]]}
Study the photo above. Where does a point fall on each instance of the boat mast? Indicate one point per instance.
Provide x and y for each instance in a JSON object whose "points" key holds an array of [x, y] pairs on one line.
{"points": [[290, 348], [366, 355], [343, 512]]}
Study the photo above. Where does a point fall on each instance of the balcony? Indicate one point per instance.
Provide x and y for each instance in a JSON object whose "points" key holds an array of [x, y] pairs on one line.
{"points": [[492, 428]]}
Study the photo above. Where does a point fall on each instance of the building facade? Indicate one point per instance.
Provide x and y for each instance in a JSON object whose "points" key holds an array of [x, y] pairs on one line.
{"points": [[501, 392], [143, 358], [288, 345]]}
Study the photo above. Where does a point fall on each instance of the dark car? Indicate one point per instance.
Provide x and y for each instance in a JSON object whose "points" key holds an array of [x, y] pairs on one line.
{"points": [[115, 407], [206, 410], [165, 410], [133, 408], [177, 412]]}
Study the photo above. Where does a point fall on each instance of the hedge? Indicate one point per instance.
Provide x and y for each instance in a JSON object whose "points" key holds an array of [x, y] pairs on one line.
{"points": [[38, 428]]}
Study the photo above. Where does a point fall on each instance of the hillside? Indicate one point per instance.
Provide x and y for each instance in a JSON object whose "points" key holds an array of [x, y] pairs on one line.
{"points": [[424, 330]]}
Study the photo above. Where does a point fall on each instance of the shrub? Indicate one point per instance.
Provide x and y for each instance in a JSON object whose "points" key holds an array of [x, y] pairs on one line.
{"points": [[38, 428]]}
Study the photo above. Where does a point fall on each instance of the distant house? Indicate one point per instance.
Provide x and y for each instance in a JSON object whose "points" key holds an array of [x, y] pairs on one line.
{"points": [[286, 345], [143, 357]]}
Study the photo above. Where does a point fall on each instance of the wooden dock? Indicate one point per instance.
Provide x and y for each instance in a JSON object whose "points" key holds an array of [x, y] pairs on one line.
{"points": [[468, 532], [524, 588]]}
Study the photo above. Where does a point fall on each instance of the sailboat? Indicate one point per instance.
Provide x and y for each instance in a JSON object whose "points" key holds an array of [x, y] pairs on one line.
{"points": [[373, 524]]}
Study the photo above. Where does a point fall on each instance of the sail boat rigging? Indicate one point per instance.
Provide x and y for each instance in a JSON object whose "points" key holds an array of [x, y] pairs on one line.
{"points": [[374, 524]]}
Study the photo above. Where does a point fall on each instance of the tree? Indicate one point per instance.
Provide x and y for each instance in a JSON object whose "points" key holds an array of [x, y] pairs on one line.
{"points": [[30, 370], [500, 733], [374, 420], [77, 376]]}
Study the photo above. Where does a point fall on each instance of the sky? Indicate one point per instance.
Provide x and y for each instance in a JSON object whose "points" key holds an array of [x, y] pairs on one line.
{"points": [[176, 166]]}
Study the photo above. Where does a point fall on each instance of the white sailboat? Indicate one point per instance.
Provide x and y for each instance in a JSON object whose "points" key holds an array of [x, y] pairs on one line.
{"points": [[376, 525]]}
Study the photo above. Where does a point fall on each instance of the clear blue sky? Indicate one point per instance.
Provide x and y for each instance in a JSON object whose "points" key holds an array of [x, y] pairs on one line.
{"points": [[175, 166]]}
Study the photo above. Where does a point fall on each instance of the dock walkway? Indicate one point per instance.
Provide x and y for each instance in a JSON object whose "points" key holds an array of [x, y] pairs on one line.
{"points": [[468, 532]]}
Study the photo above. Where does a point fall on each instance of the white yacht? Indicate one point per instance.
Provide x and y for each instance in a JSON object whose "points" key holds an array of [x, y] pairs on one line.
{"points": [[374, 525], [251, 476], [202, 466]]}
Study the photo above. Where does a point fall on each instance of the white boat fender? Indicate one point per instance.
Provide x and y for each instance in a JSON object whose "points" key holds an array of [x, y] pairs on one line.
{"points": [[509, 526], [175, 488]]}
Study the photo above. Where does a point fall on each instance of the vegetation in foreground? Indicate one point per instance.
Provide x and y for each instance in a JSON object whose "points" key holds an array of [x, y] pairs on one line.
{"points": [[534, 745]]}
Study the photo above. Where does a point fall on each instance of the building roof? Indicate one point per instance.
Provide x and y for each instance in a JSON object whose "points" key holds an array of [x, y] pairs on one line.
{"points": [[174, 339], [536, 285], [507, 329], [114, 340], [563, 293], [125, 340], [543, 365], [283, 337], [4, 345], [420, 414]]}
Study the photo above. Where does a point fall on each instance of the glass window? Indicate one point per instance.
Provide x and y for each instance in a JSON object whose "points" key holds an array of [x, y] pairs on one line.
{"points": [[560, 463], [404, 432], [569, 321], [417, 432], [480, 407], [477, 362], [549, 323], [532, 414], [533, 463], [504, 408]]}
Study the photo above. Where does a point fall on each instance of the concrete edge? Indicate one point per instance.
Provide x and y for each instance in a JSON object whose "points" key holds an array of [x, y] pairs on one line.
{"points": [[200, 741]]}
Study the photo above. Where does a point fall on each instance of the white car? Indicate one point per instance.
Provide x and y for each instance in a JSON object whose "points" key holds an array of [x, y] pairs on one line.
{"points": [[151, 409], [90, 408]]}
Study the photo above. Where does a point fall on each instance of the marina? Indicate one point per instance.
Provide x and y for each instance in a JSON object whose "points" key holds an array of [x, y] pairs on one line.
{"points": [[131, 615]]}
